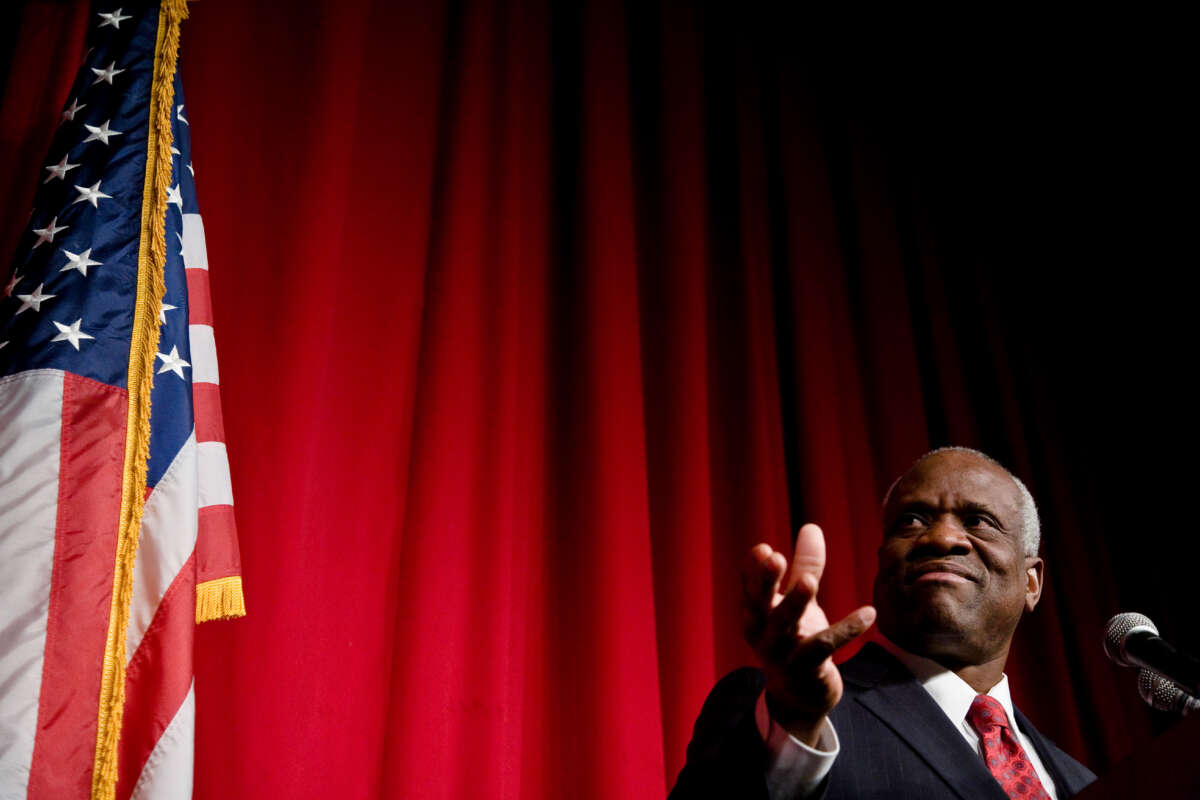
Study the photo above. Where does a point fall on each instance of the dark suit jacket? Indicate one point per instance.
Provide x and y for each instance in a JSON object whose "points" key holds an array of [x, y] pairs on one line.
{"points": [[895, 742]]}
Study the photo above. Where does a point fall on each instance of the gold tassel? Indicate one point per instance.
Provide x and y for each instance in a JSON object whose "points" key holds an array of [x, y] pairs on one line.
{"points": [[220, 599], [143, 345]]}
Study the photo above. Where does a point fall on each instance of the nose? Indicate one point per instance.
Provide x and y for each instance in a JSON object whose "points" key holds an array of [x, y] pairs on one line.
{"points": [[945, 535]]}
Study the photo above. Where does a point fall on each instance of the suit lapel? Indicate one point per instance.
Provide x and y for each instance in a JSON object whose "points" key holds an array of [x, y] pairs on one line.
{"points": [[1046, 754], [899, 701]]}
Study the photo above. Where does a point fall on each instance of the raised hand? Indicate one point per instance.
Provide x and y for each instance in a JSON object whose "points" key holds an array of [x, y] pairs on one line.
{"points": [[791, 635]]}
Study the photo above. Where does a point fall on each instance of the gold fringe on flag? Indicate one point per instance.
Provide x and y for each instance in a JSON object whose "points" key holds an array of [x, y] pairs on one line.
{"points": [[220, 599], [152, 254]]}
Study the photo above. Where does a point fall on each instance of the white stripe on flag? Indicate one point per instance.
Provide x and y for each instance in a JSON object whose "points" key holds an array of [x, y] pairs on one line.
{"points": [[166, 542], [168, 771], [216, 488], [204, 354], [195, 255], [30, 440]]}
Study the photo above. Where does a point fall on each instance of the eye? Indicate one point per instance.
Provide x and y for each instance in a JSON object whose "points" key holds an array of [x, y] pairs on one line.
{"points": [[907, 520], [976, 520]]}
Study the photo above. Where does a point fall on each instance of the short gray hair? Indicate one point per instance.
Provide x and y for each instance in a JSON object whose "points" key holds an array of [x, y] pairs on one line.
{"points": [[1031, 527]]}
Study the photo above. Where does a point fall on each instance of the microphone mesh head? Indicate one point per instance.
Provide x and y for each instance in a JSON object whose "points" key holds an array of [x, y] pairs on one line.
{"points": [[1120, 627], [1159, 692]]}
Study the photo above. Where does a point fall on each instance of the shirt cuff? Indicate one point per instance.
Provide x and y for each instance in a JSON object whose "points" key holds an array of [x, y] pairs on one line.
{"points": [[793, 768]]}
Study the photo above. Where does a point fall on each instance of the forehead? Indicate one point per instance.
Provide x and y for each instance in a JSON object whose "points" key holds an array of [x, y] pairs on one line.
{"points": [[955, 479]]}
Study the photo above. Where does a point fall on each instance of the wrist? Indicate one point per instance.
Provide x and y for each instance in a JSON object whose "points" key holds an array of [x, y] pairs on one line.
{"points": [[804, 726]]}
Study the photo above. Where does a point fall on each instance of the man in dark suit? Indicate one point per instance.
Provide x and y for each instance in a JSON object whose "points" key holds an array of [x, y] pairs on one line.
{"points": [[929, 714]]}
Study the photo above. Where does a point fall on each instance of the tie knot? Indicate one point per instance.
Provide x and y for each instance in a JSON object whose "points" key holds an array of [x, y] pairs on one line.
{"points": [[986, 713]]}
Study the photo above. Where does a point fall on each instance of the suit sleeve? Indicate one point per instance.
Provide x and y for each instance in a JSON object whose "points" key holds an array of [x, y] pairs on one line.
{"points": [[726, 757]]}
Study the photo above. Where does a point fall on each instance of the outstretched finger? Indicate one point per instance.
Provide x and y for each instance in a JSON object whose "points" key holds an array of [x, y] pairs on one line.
{"points": [[809, 556], [761, 575], [820, 646]]}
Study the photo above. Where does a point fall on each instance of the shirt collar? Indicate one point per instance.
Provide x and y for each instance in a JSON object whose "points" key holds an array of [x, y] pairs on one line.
{"points": [[952, 694]]}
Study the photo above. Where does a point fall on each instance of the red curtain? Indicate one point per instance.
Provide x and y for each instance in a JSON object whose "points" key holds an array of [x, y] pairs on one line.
{"points": [[534, 317]]}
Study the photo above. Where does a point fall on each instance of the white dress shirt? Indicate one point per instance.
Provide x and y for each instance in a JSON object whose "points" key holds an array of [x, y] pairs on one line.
{"points": [[796, 769]]}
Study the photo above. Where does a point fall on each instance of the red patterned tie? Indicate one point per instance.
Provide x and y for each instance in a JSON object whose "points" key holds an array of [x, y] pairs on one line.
{"points": [[1004, 755]]}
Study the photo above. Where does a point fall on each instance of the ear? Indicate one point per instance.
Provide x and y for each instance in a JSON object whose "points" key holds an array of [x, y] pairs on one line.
{"points": [[1034, 571]]}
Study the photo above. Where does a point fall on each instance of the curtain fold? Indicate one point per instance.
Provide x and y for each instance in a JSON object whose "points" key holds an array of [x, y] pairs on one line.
{"points": [[536, 316]]}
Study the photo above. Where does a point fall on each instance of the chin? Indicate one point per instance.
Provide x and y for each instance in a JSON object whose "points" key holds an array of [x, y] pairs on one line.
{"points": [[936, 612], [936, 631], [951, 651]]}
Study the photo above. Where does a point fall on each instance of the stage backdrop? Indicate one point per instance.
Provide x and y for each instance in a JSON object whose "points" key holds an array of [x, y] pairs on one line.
{"points": [[533, 318]]}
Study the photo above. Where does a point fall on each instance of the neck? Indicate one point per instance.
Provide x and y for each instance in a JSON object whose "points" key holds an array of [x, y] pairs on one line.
{"points": [[981, 674], [981, 677]]}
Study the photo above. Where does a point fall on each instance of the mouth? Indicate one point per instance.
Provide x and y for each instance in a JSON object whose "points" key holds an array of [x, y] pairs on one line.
{"points": [[941, 572]]}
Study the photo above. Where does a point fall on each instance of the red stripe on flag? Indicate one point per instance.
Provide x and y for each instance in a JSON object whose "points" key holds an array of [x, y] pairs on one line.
{"points": [[206, 400], [216, 544], [89, 506], [199, 298], [158, 677]]}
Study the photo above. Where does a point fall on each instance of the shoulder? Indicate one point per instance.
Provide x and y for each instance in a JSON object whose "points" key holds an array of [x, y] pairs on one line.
{"points": [[744, 683], [872, 666], [872, 672]]}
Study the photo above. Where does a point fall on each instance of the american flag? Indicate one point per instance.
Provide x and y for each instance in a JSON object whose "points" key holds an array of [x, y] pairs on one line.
{"points": [[69, 449]]}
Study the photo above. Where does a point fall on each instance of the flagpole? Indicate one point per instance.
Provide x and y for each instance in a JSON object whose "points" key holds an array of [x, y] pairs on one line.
{"points": [[142, 350]]}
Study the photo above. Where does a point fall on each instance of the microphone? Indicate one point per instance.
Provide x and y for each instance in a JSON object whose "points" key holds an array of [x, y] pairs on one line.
{"points": [[1160, 693], [1131, 640]]}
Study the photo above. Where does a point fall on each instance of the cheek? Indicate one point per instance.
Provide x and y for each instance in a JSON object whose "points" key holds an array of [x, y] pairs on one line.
{"points": [[1008, 579], [1002, 561], [889, 562], [890, 554]]}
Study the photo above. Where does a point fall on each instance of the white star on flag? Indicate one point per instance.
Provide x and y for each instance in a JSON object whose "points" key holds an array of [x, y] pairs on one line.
{"points": [[102, 133], [69, 113], [80, 262], [107, 74], [48, 233], [172, 362], [70, 333], [34, 300], [162, 312], [173, 196], [92, 194], [175, 151], [12, 284], [191, 170], [179, 115], [114, 19], [59, 170]]}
